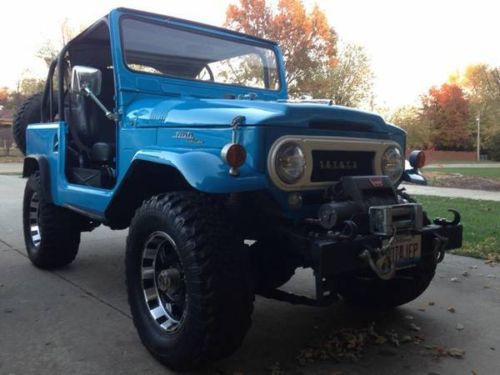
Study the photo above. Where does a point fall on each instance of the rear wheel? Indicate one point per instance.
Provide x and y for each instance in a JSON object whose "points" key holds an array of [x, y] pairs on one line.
{"points": [[188, 289], [51, 233], [367, 290]]}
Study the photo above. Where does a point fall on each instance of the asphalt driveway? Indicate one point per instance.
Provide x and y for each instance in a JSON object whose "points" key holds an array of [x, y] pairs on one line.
{"points": [[76, 320]]}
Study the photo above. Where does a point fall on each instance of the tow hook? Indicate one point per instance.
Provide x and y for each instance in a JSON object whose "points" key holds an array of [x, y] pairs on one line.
{"points": [[439, 247], [380, 260], [444, 222]]}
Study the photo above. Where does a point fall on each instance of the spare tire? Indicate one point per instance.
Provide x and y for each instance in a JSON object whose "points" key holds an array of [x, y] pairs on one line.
{"points": [[30, 112]]}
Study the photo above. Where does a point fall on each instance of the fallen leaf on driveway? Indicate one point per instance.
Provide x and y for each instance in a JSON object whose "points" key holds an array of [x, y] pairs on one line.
{"points": [[492, 259], [491, 276], [348, 344], [465, 274], [405, 339], [418, 339], [454, 279], [456, 353], [379, 340], [439, 352], [460, 327], [414, 327], [393, 337], [276, 369], [432, 303], [451, 309]]}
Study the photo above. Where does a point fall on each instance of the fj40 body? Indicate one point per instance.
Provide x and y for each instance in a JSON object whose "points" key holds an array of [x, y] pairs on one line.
{"points": [[184, 133]]}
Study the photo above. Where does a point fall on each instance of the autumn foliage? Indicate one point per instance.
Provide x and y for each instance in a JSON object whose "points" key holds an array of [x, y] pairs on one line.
{"points": [[446, 111], [4, 94], [306, 39]]}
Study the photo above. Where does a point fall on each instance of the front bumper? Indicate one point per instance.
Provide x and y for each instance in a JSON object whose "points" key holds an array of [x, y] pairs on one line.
{"points": [[359, 225], [334, 257]]}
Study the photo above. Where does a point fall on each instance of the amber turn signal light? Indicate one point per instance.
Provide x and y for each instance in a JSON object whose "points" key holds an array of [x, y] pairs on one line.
{"points": [[234, 155]]}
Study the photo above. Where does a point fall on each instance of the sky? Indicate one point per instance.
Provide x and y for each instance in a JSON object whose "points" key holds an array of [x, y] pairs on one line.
{"points": [[412, 44]]}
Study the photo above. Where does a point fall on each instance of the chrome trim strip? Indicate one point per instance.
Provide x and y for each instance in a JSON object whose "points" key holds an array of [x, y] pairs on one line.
{"points": [[310, 143]]}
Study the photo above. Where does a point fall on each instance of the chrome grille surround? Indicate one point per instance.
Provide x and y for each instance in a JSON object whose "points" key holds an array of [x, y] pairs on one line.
{"points": [[320, 143]]}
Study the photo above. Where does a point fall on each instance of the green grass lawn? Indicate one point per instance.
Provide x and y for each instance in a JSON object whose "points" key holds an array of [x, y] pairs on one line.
{"points": [[481, 221], [490, 172]]}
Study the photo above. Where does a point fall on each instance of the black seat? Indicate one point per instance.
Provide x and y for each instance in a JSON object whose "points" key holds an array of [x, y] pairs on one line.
{"points": [[89, 125]]}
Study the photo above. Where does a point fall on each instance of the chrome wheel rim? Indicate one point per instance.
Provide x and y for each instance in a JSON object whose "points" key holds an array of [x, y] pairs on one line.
{"points": [[162, 280], [34, 220]]}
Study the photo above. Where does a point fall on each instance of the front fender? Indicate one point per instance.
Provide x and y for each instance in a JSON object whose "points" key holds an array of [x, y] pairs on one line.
{"points": [[34, 163], [205, 171]]}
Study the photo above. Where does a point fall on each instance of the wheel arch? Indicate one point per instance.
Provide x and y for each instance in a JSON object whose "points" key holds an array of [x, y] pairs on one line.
{"points": [[153, 172], [39, 163], [143, 180]]}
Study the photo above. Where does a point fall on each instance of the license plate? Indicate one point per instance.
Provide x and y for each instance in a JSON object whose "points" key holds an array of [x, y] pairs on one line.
{"points": [[406, 250]]}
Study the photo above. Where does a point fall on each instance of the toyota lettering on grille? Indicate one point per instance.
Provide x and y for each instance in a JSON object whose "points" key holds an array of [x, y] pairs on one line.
{"points": [[338, 164], [331, 165]]}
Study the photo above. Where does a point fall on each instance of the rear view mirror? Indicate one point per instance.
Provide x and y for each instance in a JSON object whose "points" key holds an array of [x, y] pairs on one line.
{"points": [[85, 78]]}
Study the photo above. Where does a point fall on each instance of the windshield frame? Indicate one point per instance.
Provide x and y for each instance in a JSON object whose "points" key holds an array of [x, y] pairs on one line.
{"points": [[268, 45]]}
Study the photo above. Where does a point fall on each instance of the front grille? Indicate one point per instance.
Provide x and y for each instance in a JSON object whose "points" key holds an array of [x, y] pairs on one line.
{"points": [[332, 165]]}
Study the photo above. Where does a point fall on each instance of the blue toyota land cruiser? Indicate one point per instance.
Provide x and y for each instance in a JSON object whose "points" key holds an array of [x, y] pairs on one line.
{"points": [[184, 133]]}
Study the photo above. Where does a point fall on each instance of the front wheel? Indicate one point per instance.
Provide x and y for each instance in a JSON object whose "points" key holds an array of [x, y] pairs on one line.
{"points": [[188, 289]]}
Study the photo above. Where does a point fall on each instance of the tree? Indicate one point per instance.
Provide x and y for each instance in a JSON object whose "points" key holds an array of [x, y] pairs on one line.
{"points": [[47, 52], [349, 82], [418, 131], [50, 49], [481, 84], [4, 95], [307, 40], [446, 111], [28, 84]]}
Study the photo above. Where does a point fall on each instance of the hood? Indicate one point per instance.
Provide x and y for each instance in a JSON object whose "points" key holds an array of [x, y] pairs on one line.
{"points": [[190, 112]]}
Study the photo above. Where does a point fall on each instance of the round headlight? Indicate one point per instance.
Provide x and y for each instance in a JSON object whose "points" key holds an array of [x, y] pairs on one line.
{"points": [[290, 162], [393, 164]]}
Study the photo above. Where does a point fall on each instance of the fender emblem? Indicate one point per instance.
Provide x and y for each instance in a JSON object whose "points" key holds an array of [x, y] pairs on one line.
{"points": [[187, 136]]}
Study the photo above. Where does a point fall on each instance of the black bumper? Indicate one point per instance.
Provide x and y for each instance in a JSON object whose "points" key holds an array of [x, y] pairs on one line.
{"points": [[332, 257]]}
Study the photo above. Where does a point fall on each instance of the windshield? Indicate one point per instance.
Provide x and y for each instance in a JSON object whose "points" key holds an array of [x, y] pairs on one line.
{"points": [[158, 49]]}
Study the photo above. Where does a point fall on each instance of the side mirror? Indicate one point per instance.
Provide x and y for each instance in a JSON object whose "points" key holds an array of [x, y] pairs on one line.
{"points": [[84, 78]]}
